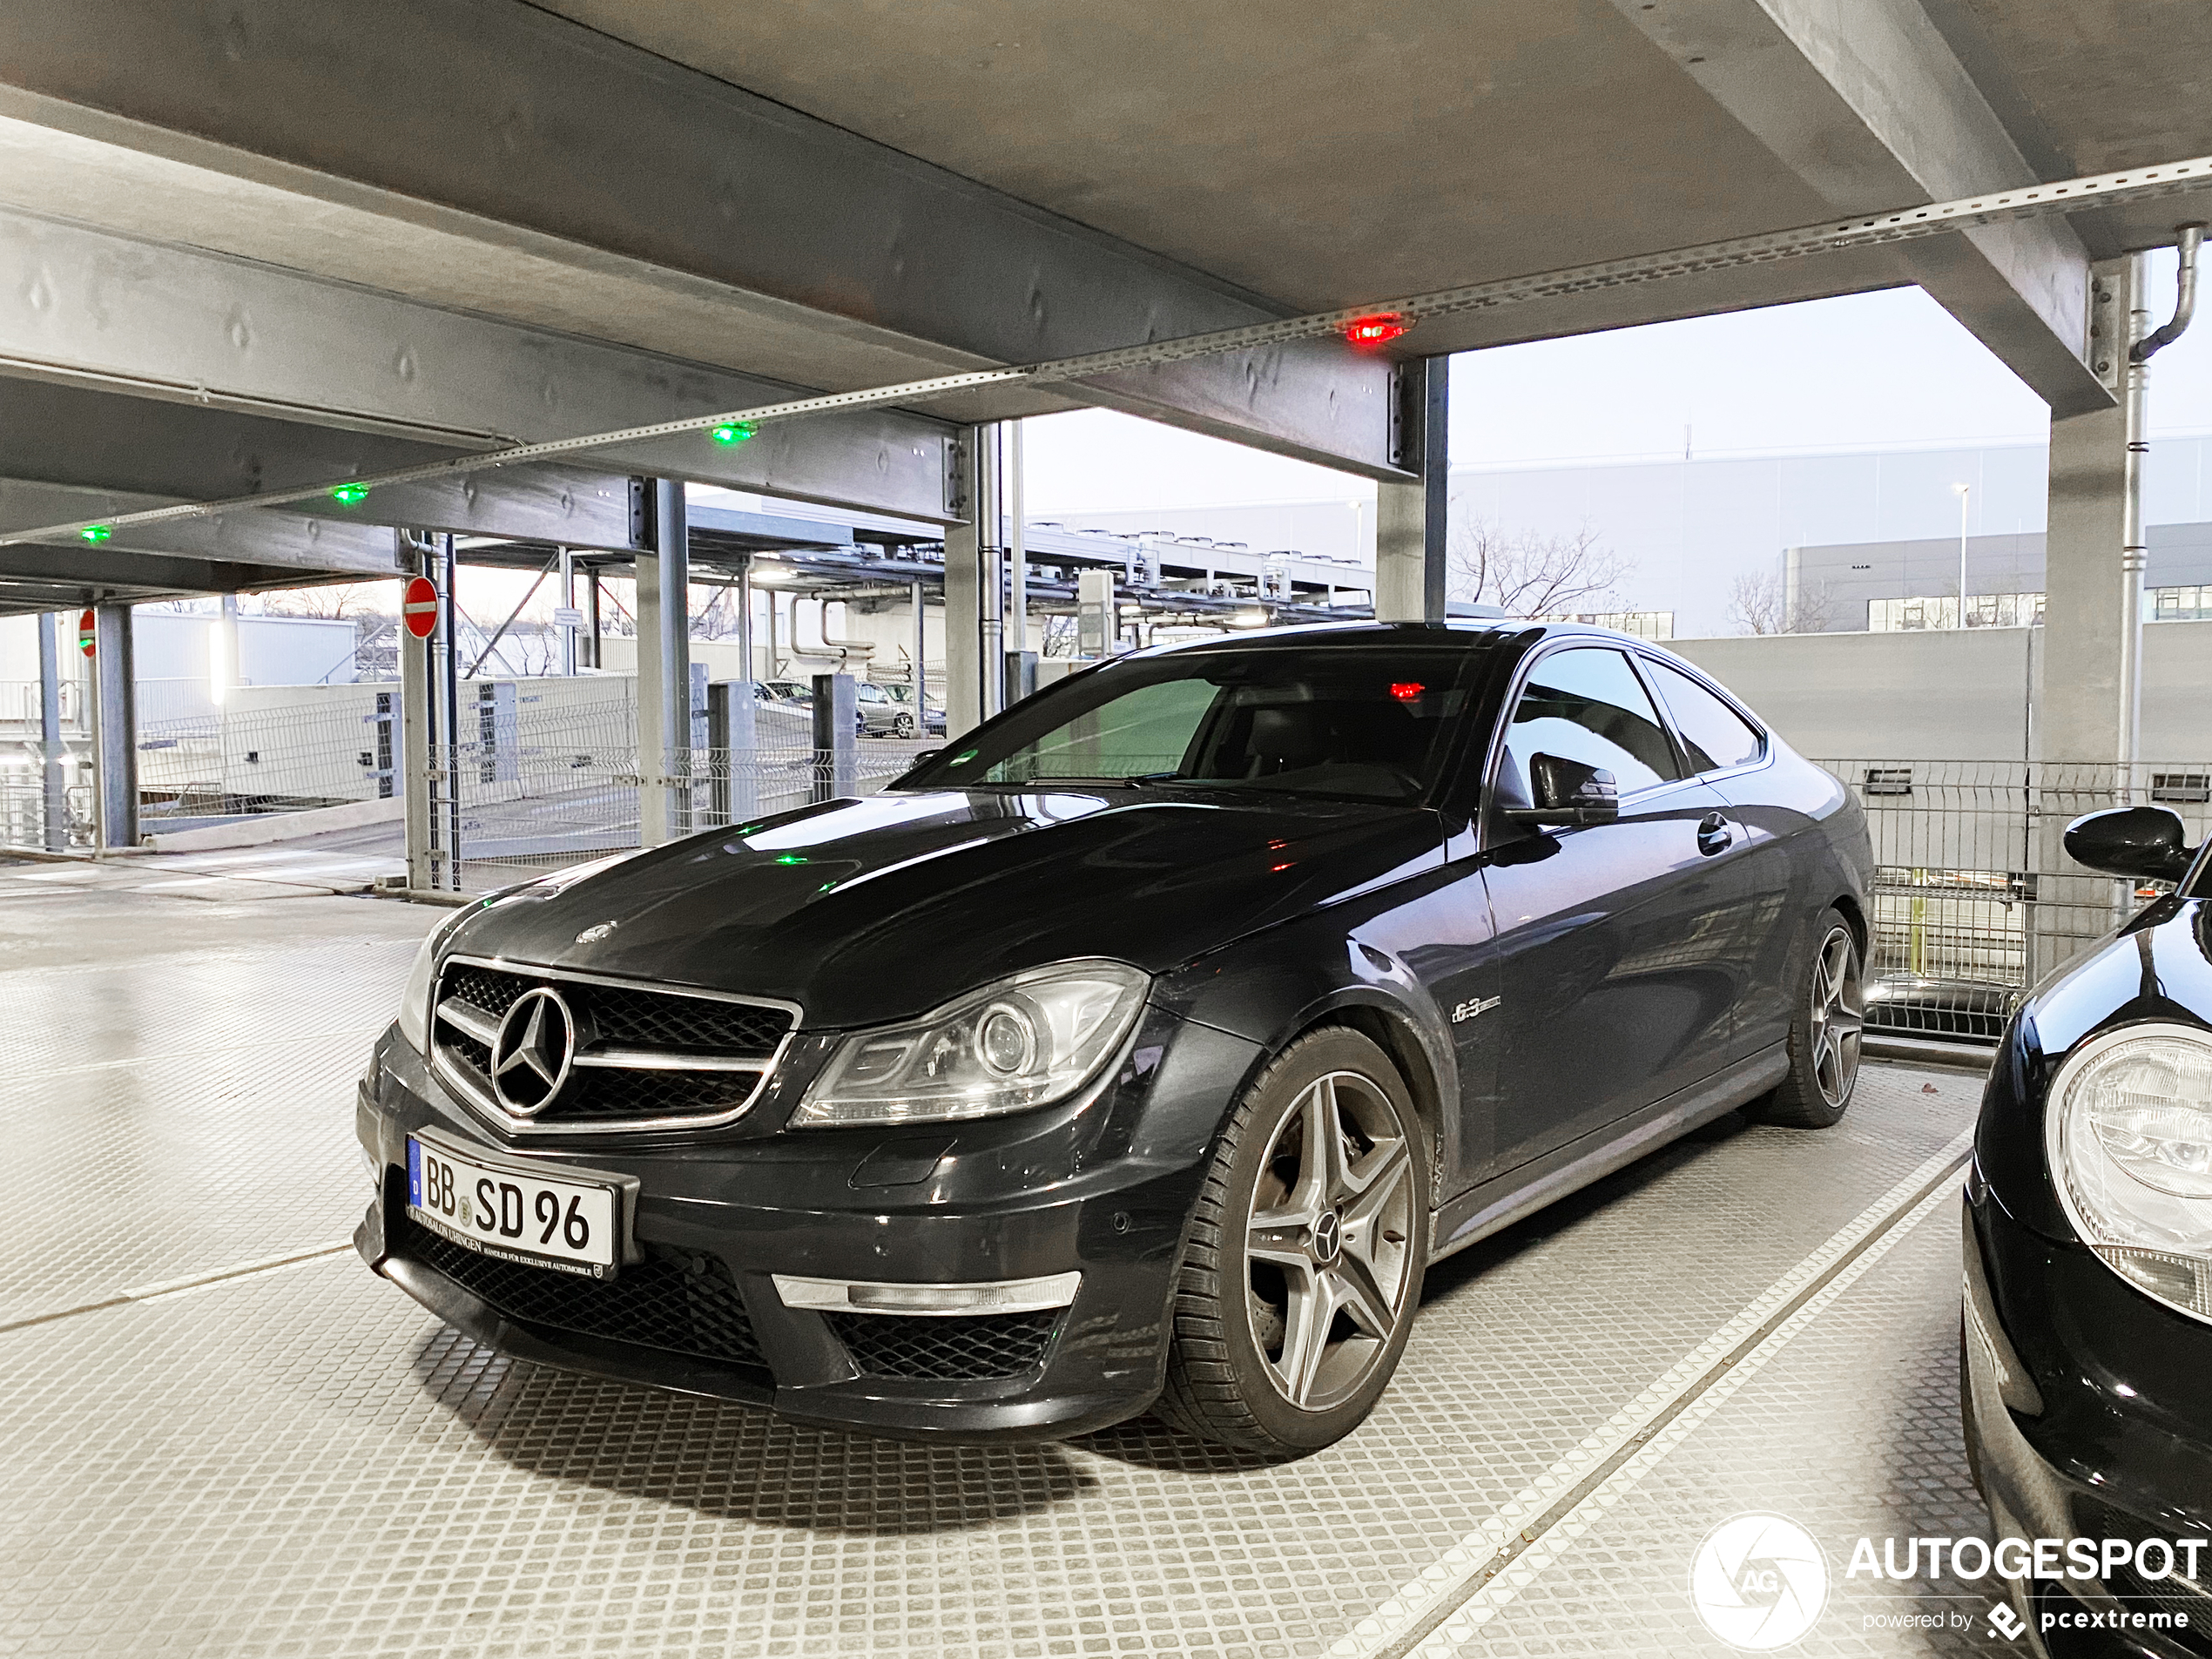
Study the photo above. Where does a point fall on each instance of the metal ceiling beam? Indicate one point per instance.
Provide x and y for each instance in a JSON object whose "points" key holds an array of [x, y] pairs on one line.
{"points": [[1867, 104], [636, 198], [107, 445], [88, 309], [247, 538]]}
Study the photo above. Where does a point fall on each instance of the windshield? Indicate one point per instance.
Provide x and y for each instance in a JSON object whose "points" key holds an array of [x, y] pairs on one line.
{"points": [[1374, 722]]}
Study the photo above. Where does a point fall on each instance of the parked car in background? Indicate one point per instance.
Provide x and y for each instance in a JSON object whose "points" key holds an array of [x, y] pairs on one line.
{"points": [[800, 694], [932, 714], [2087, 1337], [1140, 1052]]}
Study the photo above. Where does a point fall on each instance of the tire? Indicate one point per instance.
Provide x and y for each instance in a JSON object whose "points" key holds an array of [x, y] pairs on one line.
{"points": [[902, 725], [1243, 1369], [1824, 1034]]}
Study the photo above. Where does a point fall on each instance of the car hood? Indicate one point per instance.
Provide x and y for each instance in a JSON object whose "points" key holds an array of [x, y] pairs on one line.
{"points": [[872, 910]]}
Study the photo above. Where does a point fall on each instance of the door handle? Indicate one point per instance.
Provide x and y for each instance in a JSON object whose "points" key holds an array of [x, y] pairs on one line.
{"points": [[1713, 834]]}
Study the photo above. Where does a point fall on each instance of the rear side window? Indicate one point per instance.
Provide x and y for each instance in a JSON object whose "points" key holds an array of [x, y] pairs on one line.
{"points": [[1587, 704], [1715, 735]]}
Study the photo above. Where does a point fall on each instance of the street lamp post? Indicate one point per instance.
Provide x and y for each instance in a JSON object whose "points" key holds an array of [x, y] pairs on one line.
{"points": [[1966, 494]]}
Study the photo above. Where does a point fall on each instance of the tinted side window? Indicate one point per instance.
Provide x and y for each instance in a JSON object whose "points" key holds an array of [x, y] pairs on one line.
{"points": [[1587, 704], [1716, 736]]}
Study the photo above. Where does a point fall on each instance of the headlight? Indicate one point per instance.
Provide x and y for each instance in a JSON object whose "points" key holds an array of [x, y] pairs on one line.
{"points": [[2128, 1130], [415, 1002], [1024, 1041]]}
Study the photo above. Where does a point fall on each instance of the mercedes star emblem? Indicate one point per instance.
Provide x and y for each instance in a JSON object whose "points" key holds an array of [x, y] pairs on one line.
{"points": [[531, 1056], [593, 935]]}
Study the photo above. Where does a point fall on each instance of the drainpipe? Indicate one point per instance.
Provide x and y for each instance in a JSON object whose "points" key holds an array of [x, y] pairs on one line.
{"points": [[2134, 549]]}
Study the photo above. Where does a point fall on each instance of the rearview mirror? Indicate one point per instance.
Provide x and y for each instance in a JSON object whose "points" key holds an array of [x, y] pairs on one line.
{"points": [[1567, 792], [2138, 842]]}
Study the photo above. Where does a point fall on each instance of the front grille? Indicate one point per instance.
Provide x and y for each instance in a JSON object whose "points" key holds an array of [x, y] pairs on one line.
{"points": [[2188, 1599], [652, 1020], [963, 1350], [677, 1301], [653, 1048]]}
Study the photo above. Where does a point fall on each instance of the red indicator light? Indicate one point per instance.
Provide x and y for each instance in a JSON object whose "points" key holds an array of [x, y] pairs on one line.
{"points": [[1405, 691], [1378, 330], [1276, 869]]}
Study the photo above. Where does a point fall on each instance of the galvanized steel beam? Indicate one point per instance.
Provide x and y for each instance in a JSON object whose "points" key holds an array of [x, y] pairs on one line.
{"points": [[623, 190], [2189, 177], [1869, 106], [85, 308]]}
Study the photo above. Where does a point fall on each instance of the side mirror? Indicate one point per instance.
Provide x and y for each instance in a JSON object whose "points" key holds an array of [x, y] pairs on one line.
{"points": [[2138, 842], [1568, 792], [923, 758]]}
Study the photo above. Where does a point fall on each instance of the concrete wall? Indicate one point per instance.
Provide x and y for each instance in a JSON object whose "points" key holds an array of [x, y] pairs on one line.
{"points": [[1948, 695]]}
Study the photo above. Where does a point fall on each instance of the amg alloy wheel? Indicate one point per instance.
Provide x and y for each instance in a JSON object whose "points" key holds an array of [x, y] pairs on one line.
{"points": [[1305, 1264], [1824, 1037], [903, 724]]}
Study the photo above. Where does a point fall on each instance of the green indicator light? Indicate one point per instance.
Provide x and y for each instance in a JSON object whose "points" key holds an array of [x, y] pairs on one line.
{"points": [[97, 532], [789, 858], [963, 758], [346, 494], [733, 432]]}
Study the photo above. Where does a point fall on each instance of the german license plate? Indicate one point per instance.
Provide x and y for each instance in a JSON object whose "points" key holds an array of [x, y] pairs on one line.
{"points": [[558, 1219]]}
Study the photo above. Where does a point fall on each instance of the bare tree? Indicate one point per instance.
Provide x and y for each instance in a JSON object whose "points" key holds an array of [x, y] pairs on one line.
{"points": [[334, 602], [1759, 602], [1529, 573]]}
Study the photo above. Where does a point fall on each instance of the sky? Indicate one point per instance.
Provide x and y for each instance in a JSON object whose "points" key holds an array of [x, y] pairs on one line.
{"points": [[1862, 372]]}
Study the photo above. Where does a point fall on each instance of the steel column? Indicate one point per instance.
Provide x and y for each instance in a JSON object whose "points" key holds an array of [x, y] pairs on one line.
{"points": [[1017, 570], [53, 754], [835, 709], [921, 660], [663, 669], [418, 739], [1411, 518], [447, 675], [115, 696], [964, 657]]}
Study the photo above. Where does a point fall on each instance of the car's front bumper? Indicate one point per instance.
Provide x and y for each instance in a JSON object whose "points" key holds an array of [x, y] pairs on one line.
{"points": [[718, 1219], [2083, 1450]]}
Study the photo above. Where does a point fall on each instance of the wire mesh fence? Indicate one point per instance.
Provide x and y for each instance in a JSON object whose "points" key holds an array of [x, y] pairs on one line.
{"points": [[549, 774], [1974, 897]]}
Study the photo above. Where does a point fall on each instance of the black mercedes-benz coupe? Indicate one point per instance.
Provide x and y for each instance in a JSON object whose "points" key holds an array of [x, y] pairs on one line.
{"points": [[1140, 1050], [2086, 1347]]}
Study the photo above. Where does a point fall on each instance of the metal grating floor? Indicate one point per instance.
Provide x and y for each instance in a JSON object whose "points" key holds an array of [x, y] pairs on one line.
{"points": [[296, 1459]]}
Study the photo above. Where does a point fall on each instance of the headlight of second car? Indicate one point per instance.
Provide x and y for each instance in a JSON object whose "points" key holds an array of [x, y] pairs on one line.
{"points": [[1023, 1041], [2128, 1131]]}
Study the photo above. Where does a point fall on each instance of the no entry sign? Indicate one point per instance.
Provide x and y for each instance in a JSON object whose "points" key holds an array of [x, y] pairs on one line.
{"points": [[85, 633], [418, 604]]}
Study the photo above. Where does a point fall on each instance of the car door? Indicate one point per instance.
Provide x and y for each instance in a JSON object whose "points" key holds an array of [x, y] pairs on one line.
{"points": [[1611, 991], [1729, 752]]}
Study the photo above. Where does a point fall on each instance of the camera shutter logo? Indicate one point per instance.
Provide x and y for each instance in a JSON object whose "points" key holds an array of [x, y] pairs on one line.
{"points": [[531, 1056], [1758, 1581]]}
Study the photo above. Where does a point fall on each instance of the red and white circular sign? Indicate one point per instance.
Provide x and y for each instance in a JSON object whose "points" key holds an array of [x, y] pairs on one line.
{"points": [[419, 606]]}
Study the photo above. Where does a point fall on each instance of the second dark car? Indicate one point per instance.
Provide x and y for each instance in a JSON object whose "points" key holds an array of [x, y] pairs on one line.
{"points": [[1141, 1050], [2085, 1352]]}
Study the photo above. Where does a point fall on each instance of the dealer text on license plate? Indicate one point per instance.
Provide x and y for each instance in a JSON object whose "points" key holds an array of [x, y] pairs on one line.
{"points": [[572, 1226]]}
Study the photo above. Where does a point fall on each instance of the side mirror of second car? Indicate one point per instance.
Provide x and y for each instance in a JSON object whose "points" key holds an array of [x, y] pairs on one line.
{"points": [[1567, 792], [2139, 842]]}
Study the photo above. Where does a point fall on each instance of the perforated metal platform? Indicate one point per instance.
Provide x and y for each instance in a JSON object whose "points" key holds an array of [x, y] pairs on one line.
{"points": [[296, 1459]]}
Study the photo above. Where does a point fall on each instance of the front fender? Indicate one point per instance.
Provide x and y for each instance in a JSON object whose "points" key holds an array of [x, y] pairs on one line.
{"points": [[1271, 987]]}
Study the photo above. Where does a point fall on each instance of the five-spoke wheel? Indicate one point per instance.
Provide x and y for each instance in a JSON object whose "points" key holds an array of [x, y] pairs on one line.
{"points": [[1824, 1042], [1304, 1268]]}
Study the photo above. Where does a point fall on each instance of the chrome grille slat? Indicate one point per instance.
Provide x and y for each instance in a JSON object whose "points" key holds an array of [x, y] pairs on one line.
{"points": [[721, 1050]]}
